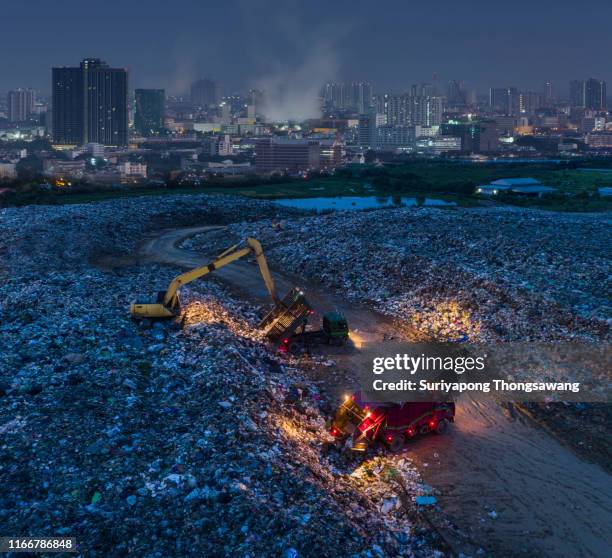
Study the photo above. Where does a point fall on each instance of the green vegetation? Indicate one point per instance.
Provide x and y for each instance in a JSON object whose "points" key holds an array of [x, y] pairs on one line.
{"points": [[451, 181]]}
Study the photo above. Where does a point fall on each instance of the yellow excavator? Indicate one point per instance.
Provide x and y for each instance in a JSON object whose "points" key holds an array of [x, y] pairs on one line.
{"points": [[287, 320], [168, 305]]}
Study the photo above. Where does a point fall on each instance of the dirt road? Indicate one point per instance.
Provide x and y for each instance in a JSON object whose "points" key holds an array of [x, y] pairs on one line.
{"points": [[507, 484]]}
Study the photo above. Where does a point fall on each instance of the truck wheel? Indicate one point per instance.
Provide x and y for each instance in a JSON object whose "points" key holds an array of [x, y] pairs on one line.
{"points": [[441, 427], [395, 442]]}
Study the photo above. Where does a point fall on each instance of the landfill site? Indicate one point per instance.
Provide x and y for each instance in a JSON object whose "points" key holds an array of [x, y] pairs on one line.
{"points": [[197, 436]]}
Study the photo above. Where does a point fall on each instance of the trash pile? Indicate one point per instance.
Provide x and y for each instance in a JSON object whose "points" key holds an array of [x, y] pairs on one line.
{"points": [[183, 438], [74, 234], [481, 274]]}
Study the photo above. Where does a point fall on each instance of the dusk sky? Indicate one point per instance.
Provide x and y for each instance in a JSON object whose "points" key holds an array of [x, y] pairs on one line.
{"points": [[247, 43]]}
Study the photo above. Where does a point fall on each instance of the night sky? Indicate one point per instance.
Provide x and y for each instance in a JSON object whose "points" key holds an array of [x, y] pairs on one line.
{"points": [[242, 43]]}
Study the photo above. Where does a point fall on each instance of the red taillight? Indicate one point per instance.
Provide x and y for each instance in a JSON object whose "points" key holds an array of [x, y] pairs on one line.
{"points": [[432, 423], [334, 431], [312, 311], [410, 432], [389, 438], [285, 341]]}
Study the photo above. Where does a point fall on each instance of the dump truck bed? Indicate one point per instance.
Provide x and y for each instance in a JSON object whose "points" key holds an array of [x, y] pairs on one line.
{"points": [[289, 315]]}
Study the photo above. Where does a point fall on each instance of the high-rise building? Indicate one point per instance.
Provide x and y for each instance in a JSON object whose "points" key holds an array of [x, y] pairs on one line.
{"points": [[366, 131], [257, 100], [548, 91], [395, 137], [457, 95], [530, 102], [396, 108], [361, 96], [595, 94], [149, 113], [426, 111], [576, 93], [68, 106], [413, 110], [589, 94], [504, 100], [20, 104], [90, 104], [205, 93], [355, 96]]}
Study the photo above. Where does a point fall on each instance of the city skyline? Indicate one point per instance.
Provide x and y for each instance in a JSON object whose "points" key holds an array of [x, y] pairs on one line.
{"points": [[292, 45]]}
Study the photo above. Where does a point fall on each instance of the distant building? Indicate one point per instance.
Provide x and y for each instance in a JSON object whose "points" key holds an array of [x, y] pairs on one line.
{"points": [[205, 93], [513, 182], [294, 155], [149, 114], [20, 105], [8, 171], [599, 140], [366, 131], [590, 94], [437, 146], [505, 124], [524, 186], [58, 168], [355, 96], [530, 102], [129, 169], [549, 92], [412, 109], [576, 93], [457, 95], [595, 94], [426, 111], [95, 149], [226, 146], [504, 100], [90, 104], [390, 138], [476, 136]]}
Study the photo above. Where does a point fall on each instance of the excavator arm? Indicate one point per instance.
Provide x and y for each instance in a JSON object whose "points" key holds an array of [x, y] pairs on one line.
{"points": [[167, 304]]}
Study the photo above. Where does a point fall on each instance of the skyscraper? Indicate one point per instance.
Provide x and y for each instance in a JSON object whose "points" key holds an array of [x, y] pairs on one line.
{"points": [[548, 91], [414, 110], [149, 115], [68, 102], [576, 93], [355, 96], [530, 102], [205, 92], [90, 104], [457, 96], [361, 96], [504, 100], [426, 110], [589, 94], [20, 104], [595, 94]]}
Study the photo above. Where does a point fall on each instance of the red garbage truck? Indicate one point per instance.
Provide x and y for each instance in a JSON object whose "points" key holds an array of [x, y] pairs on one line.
{"points": [[391, 423]]}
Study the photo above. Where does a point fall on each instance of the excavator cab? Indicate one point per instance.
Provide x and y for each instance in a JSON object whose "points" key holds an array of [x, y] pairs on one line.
{"points": [[157, 309]]}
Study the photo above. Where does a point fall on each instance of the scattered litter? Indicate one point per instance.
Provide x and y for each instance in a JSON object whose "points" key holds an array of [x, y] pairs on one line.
{"points": [[426, 500]]}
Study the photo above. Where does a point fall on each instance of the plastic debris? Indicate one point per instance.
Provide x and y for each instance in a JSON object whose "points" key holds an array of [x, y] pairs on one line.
{"points": [[426, 500]]}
